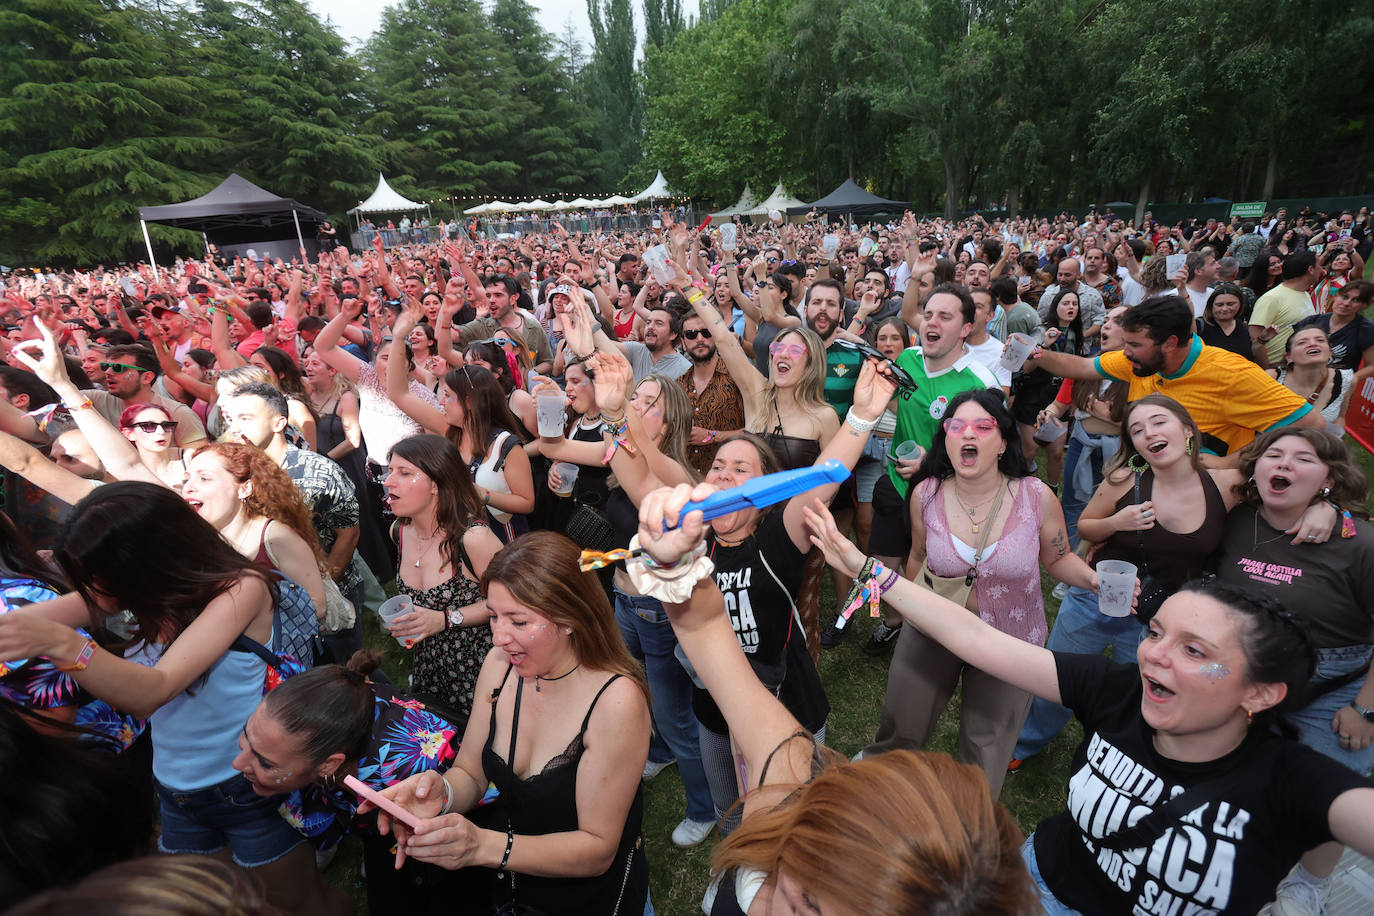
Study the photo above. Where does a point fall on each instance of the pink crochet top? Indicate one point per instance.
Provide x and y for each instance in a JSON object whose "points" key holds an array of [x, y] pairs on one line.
{"points": [[1008, 586]]}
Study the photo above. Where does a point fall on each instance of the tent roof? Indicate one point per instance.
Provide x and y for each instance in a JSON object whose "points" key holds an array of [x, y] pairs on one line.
{"points": [[582, 202], [850, 198], [778, 200], [616, 200], [657, 189], [236, 203], [385, 200], [746, 201]]}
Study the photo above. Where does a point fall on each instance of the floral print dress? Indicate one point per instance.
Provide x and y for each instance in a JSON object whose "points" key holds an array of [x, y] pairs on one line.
{"points": [[447, 663]]}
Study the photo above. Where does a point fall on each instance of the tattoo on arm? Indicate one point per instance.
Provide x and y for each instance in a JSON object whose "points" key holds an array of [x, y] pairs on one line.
{"points": [[1060, 543]]}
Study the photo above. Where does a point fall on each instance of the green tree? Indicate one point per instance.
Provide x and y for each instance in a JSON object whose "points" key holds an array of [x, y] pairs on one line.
{"points": [[613, 89], [444, 89], [99, 114], [662, 22]]}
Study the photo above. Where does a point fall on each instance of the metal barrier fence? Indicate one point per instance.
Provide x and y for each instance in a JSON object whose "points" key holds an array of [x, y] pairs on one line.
{"points": [[589, 222], [361, 239]]}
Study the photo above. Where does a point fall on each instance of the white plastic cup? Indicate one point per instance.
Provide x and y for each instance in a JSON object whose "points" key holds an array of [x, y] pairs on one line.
{"points": [[1173, 263], [865, 247], [907, 451], [1018, 349], [394, 607], [775, 216], [1050, 430], [1115, 587], [551, 414], [729, 236], [567, 476], [829, 246], [657, 259]]}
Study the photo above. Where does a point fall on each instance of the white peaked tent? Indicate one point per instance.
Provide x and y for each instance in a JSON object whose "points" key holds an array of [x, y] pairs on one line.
{"points": [[746, 202], [581, 203], [496, 206], [657, 190], [386, 200], [779, 200], [617, 200]]}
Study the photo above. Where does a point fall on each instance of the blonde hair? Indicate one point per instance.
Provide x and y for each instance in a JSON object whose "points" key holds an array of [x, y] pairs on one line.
{"points": [[810, 391], [905, 833]]}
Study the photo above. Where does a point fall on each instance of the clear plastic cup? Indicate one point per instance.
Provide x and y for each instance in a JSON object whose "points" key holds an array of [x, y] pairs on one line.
{"points": [[1115, 587], [657, 259], [394, 607], [866, 247], [1050, 431], [729, 236], [1018, 349], [829, 246], [775, 216], [552, 415], [567, 476], [907, 451]]}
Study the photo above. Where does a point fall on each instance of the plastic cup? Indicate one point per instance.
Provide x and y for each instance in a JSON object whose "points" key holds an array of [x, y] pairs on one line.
{"points": [[657, 259], [395, 607], [829, 245], [1115, 587], [567, 476], [775, 216], [865, 247], [729, 236], [551, 414], [907, 451], [1018, 349], [1050, 431]]}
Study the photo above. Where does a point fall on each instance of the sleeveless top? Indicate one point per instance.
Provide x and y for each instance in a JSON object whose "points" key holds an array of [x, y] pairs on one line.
{"points": [[446, 664], [591, 486], [624, 328], [1340, 380], [545, 803], [489, 472], [1008, 584], [1174, 557]]}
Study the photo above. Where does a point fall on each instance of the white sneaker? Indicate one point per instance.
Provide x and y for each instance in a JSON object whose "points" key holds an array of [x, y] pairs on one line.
{"points": [[1061, 590], [690, 833], [1297, 897], [652, 769]]}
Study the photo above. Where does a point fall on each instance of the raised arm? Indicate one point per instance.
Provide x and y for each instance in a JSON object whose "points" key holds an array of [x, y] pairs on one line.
{"points": [[747, 377], [327, 343], [398, 377]]}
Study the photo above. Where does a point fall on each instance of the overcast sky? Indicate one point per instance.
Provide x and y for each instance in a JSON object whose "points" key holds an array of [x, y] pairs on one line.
{"points": [[357, 19]]}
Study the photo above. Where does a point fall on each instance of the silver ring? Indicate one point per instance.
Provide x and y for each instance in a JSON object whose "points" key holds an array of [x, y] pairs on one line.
{"points": [[1345, 737], [1311, 537]]}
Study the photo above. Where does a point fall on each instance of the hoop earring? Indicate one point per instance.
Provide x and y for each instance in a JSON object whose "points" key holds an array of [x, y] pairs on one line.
{"points": [[1188, 448], [1137, 463], [330, 780]]}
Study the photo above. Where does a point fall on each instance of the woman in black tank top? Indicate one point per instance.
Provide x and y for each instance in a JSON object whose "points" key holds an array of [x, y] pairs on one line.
{"points": [[1158, 508], [563, 737]]}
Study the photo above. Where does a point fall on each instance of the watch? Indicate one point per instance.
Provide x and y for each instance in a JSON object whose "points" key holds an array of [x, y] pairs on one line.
{"points": [[1366, 714], [454, 618]]}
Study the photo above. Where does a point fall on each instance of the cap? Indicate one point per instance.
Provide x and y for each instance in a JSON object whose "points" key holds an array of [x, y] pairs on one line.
{"points": [[563, 288], [163, 310]]}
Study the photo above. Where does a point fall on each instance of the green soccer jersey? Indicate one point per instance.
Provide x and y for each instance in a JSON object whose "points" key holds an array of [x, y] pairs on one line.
{"points": [[919, 415]]}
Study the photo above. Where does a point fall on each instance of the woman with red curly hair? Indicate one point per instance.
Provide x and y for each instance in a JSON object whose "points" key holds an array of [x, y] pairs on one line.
{"points": [[254, 506]]}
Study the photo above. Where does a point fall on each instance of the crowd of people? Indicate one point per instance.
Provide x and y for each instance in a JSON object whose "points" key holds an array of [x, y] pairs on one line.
{"points": [[216, 475]]}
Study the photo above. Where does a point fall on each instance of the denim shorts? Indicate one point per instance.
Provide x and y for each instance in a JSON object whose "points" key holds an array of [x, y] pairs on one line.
{"points": [[204, 821]]}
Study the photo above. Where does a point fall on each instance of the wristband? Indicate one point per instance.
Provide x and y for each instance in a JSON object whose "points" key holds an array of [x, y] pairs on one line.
{"points": [[859, 424], [696, 296], [83, 658], [83, 404]]}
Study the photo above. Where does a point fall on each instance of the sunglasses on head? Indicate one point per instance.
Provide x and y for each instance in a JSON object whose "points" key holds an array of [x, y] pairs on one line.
{"points": [[983, 426], [152, 426], [693, 335], [120, 367]]}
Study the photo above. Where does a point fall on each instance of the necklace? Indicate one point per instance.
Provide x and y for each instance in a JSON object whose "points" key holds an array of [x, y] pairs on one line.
{"points": [[968, 510], [424, 553], [539, 677], [1255, 538]]}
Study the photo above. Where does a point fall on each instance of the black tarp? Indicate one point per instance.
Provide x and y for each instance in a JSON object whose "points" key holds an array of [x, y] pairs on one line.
{"points": [[850, 198], [237, 205]]}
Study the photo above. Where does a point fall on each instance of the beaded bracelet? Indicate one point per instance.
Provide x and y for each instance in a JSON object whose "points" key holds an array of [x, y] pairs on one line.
{"points": [[510, 841]]}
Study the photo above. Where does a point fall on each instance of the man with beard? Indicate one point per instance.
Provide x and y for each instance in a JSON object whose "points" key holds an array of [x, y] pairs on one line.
{"points": [[942, 366], [1229, 397], [658, 353], [717, 408], [500, 295], [824, 311]]}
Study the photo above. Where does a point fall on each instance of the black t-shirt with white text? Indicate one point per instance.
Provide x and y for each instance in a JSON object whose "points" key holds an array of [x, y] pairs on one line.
{"points": [[1226, 856]]}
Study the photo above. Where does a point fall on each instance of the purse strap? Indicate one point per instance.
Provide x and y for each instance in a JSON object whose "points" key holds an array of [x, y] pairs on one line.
{"points": [[1150, 827], [972, 575], [1140, 535]]}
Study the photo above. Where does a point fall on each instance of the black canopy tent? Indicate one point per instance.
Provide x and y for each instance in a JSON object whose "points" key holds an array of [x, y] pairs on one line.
{"points": [[850, 199], [237, 214]]}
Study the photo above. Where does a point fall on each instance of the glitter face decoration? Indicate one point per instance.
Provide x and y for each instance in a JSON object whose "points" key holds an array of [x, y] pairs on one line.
{"points": [[1215, 670]]}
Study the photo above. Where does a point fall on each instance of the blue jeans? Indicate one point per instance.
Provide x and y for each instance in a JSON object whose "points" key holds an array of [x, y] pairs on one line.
{"points": [[1314, 720], [1098, 449], [231, 814], [1047, 899], [647, 632], [1080, 627]]}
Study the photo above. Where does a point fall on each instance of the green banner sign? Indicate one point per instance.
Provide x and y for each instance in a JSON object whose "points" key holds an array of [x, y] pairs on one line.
{"points": [[1252, 208]]}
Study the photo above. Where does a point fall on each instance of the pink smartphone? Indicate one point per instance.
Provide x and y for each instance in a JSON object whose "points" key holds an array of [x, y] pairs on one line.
{"points": [[381, 801]]}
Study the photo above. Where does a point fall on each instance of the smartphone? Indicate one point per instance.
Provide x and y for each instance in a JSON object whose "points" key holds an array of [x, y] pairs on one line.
{"points": [[361, 789]]}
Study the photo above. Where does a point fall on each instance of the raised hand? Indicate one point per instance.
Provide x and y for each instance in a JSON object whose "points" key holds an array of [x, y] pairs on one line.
{"points": [[840, 552]]}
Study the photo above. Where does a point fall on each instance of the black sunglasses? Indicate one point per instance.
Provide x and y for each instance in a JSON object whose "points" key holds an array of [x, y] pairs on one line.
{"points": [[693, 335], [152, 426]]}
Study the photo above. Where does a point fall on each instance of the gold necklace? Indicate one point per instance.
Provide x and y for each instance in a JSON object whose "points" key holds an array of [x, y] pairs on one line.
{"points": [[969, 510], [433, 539]]}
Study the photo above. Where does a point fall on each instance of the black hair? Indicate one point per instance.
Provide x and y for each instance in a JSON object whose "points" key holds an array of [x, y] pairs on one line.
{"points": [[960, 292], [1161, 317], [457, 506], [19, 561], [329, 708], [1298, 263], [674, 321], [512, 286], [19, 381], [128, 533], [260, 313], [68, 809], [270, 395], [936, 462], [1076, 325], [135, 354], [1003, 289], [288, 374], [202, 358], [1276, 644]]}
